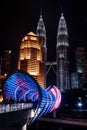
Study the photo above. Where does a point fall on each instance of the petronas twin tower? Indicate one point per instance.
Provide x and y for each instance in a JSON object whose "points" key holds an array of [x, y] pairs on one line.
{"points": [[62, 51], [62, 58]]}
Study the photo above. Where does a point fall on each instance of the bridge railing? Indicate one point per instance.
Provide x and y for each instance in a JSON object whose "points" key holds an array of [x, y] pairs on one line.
{"points": [[4, 108]]}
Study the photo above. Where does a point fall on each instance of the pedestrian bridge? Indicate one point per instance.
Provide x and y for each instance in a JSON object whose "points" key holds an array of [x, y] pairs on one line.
{"points": [[25, 100], [14, 115]]}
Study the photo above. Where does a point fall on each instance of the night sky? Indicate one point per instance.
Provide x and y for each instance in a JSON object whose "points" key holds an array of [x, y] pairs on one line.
{"points": [[18, 17]]}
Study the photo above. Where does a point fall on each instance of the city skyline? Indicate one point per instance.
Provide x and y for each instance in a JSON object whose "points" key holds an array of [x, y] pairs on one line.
{"points": [[63, 70], [21, 18]]}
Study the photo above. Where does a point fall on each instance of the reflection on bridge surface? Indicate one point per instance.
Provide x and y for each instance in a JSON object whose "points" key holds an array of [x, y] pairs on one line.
{"points": [[66, 121], [59, 124]]}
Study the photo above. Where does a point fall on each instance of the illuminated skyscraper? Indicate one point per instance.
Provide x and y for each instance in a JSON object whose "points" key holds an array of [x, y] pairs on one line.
{"points": [[74, 81], [41, 32], [81, 65], [62, 48], [30, 57], [6, 62], [5, 67], [33, 53]]}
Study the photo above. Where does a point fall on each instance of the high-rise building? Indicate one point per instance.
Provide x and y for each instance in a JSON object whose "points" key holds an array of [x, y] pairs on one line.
{"points": [[0, 65], [5, 67], [74, 81], [81, 65], [6, 62], [33, 53], [30, 57], [62, 50], [41, 32]]}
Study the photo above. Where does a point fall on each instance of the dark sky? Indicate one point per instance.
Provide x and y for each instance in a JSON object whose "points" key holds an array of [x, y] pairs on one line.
{"points": [[18, 17]]}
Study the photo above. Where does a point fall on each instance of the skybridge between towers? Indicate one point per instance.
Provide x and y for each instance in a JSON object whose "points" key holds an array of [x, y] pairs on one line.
{"points": [[51, 65]]}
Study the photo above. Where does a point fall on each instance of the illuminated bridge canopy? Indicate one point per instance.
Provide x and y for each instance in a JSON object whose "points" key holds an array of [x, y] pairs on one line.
{"points": [[20, 86]]}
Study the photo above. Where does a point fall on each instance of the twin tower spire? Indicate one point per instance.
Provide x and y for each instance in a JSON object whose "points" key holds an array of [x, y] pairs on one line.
{"points": [[62, 30], [62, 46], [41, 31]]}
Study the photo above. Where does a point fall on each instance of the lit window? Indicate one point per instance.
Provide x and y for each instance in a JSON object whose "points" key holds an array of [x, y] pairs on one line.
{"points": [[25, 37]]}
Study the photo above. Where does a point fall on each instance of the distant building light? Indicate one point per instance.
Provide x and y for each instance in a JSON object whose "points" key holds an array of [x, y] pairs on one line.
{"points": [[80, 71], [5, 74], [79, 104], [10, 52], [33, 73], [25, 37]]}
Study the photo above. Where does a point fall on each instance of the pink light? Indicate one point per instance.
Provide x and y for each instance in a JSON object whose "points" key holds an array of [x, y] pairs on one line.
{"points": [[57, 94]]}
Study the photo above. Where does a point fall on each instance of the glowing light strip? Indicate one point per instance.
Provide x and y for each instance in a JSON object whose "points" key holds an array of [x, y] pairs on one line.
{"points": [[20, 86]]}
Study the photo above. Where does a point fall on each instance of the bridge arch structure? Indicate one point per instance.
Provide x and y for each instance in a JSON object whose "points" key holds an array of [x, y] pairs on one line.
{"points": [[20, 87]]}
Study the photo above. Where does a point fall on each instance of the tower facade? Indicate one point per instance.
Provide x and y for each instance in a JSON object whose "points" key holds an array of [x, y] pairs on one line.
{"points": [[62, 49], [41, 32], [30, 57], [6, 62], [81, 65], [74, 80]]}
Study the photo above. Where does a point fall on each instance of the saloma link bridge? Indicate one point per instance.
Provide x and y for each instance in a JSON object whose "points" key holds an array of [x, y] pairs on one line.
{"points": [[25, 100], [4, 108]]}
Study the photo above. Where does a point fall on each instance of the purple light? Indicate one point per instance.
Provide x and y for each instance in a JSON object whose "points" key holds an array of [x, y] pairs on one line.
{"points": [[20, 86]]}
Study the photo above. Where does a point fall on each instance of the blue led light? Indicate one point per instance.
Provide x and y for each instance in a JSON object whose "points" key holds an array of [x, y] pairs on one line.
{"points": [[20, 86]]}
